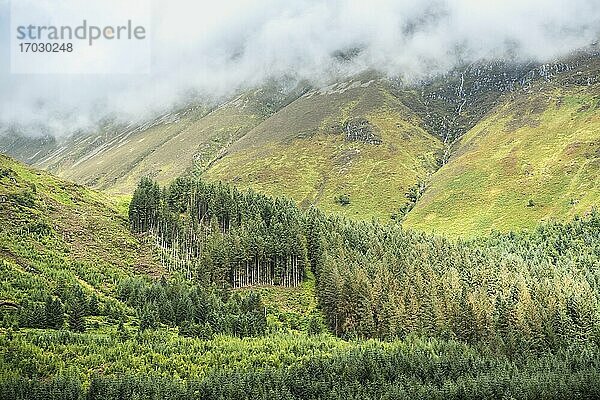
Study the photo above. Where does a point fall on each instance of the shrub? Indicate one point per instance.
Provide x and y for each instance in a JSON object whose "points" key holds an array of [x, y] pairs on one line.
{"points": [[343, 199]]}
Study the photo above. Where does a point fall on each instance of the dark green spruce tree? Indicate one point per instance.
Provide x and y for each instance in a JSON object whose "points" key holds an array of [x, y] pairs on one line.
{"points": [[54, 312], [77, 310]]}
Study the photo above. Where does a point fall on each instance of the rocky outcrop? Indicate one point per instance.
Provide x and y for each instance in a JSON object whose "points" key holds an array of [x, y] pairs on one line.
{"points": [[357, 130]]}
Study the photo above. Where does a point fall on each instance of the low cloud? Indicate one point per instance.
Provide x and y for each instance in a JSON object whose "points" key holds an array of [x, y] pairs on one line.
{"points": [[212, 49]]}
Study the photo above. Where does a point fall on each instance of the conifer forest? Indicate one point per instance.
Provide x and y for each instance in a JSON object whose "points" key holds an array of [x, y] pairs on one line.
{"points": [[395, 313]]}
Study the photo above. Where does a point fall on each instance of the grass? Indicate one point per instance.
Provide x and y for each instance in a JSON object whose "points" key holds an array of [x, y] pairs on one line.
{"points": [[535, 157], [316, 168], [50, 225], [163, 152], [289, 307]]}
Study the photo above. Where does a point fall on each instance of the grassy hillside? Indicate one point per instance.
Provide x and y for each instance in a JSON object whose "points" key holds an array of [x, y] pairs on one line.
{"points": [[535, 156], [163, 151], [57, 234], [353, 138], [50, 215], [181, 141]]}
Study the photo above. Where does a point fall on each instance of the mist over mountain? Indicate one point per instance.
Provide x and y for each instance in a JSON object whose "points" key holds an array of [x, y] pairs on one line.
{"points": [[205, 51]]}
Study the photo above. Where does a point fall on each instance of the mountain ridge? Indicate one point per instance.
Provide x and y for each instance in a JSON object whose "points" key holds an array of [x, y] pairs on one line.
{"points": [[346, 147]]}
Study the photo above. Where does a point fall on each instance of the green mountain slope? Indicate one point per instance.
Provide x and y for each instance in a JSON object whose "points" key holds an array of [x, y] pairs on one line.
{"points": [[368, 146], [52, 230], [164, 151], [351, 139], [182, 141], [535, 156]]}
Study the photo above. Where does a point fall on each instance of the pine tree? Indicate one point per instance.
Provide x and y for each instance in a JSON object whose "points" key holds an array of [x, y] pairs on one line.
{"points": [[144, 206], [54, 312], [93, 305], [77, 319], [149, 317], [77, 311], [32, 314]]}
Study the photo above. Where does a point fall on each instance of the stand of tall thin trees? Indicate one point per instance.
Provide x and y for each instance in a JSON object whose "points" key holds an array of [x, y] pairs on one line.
{"points": [[216, 233]]}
